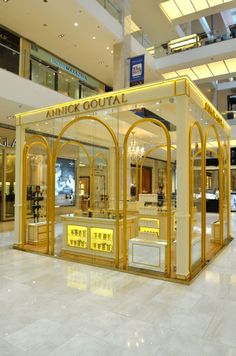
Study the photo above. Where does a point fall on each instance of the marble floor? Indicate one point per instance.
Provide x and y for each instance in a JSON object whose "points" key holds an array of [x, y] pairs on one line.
{"points": [[54, 307]]}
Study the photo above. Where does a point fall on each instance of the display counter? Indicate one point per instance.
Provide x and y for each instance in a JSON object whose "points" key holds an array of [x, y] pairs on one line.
{"points": [[94, 237], [148, 249]]}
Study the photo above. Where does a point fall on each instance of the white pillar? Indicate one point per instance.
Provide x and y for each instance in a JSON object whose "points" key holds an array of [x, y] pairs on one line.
{"points": [[20, 141], [182, 209], [122, 50]]}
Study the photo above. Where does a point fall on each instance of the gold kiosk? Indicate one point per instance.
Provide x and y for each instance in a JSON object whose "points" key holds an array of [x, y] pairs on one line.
{"points": [[126, 178]]}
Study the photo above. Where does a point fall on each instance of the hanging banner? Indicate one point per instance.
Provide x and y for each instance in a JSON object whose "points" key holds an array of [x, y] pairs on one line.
{"points": [[137, 70]]}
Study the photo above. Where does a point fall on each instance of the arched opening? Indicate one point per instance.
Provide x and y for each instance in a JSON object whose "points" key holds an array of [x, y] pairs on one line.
{"points": [[72, 160], [81, 230], [148, 245], [196, 197], [36, 195], [214, 192]]}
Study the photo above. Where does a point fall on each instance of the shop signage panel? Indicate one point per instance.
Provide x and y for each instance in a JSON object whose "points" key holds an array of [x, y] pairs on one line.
{"points": [[4, 142], [137, 70]]}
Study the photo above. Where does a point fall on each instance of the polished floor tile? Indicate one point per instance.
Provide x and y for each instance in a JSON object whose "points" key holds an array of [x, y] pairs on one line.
{"points": [[55, 307]]}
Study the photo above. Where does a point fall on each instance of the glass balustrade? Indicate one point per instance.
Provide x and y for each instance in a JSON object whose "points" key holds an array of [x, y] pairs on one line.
{"points": [[45, 74]]}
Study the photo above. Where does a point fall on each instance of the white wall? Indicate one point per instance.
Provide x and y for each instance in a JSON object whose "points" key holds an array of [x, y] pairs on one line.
{"points": [[17, 89]]}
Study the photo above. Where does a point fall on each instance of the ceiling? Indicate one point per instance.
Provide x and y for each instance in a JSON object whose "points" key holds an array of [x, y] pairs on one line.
{"points": [[8, 109], [43, 22]]}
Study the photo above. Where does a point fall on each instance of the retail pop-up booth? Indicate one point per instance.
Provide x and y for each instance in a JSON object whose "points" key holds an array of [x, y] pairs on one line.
{"points": [[123, 179]]}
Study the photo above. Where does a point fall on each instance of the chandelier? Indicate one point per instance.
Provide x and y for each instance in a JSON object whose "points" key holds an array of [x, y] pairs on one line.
{"points": [[135, 153]]}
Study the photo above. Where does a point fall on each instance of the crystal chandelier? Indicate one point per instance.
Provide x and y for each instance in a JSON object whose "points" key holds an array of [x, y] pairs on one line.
{"points": [[135, 153]]}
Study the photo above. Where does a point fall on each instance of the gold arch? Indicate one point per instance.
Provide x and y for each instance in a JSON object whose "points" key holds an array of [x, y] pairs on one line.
{"points": [[143, 160], [55, 148], [74, 142], [28, 145], [203, 200], [168, 139], [97, 155]]}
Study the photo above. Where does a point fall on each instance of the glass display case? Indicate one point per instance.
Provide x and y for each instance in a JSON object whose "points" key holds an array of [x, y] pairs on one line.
{"points": [[150, 219]]}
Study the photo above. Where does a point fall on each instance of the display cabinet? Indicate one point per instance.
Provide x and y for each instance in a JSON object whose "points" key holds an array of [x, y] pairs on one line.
{"points": [[37, 233], [148, 249], [93, 237]]}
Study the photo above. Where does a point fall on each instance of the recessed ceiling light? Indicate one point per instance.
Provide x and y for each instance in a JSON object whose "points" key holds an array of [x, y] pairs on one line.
{"points": [[112, 51], [76, 24], [108, 48], [5, 0], [94, 37], [61, 35]]}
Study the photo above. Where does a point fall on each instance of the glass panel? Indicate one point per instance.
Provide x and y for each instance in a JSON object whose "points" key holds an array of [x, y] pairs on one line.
{"points": [[9, 59], [36, 236], [225, 192], [42, 74], [112, 7], [86, 91], [196, 198], [197, 210], [213, 236], [1, 183], [68, 85], [10, 185]]}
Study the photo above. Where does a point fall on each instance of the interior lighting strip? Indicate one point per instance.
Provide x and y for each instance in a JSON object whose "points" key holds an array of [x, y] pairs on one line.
{"points": [[212, 69], [174, 9]]}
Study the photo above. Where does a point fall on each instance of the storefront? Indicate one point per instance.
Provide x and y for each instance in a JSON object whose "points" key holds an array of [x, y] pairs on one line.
{"points": [[99, 183], [30, 61], [54, 73]]}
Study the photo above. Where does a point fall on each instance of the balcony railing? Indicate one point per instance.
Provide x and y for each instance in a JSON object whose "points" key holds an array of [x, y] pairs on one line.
{"points": [[43, 74], [112, 8], [162, 51]]}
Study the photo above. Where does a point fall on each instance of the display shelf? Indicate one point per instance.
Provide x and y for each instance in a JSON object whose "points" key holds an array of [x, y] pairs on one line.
{"points": [[149, 222], [148, 198], [148, 210]]}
